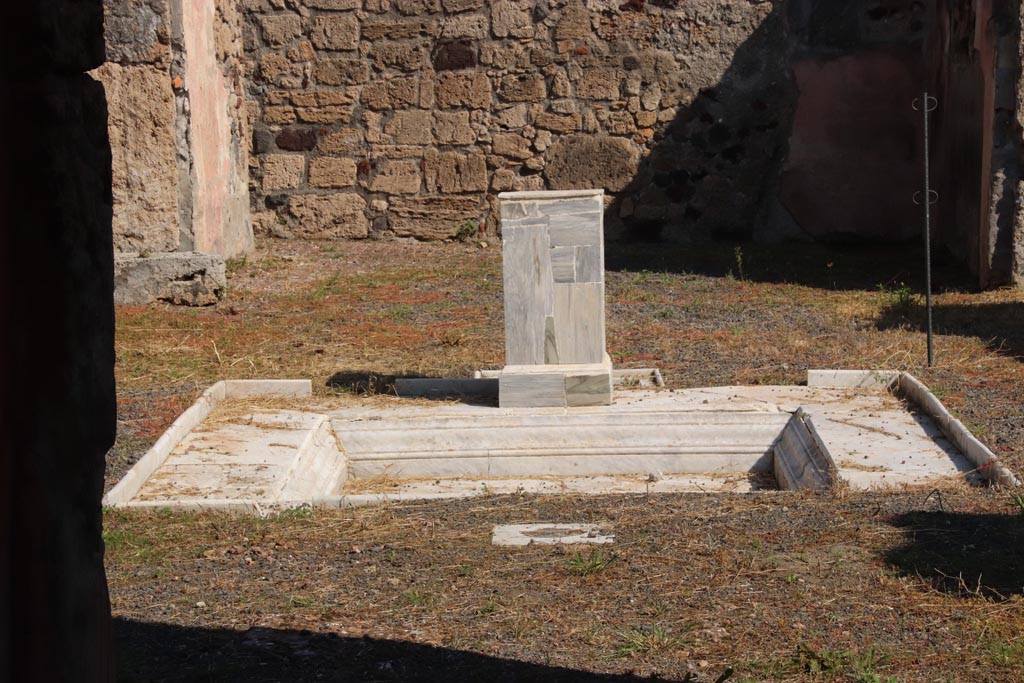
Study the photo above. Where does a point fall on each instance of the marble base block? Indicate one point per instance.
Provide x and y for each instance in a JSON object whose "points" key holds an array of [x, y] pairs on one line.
{"points": [[556, 386]]}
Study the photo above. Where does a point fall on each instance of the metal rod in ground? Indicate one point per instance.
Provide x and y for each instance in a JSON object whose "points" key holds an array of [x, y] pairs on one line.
{"points": [[926, 109]]}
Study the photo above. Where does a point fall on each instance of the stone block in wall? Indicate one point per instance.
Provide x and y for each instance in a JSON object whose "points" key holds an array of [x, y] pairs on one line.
{"points": [[522, 88], [395, 176], [646, 119], [559, 123], [335, 32], [512, 146], [501, 54], [412, 127], [332, 113], [279, 71], [337, 5], [280, 29], [398, 29], [332, 172], [453, 128], [542, 140], [265, 222], [398, 93], [373, 127], [462, 5], [560, 85], [141, 128], [279, 116], [329, 216], [600, 84], [301, 52], [399, 55], [574, 23], [432, 217], [516, 116], [296, 139], [346, 140], [343, 71], [512, 18], [455, 172], [474, 26], [396, 152], [137, 32], [564, 106], [182, 278], [503, 180], [620, 123], [416, 7], [583, 161], [463, 89], [321, 98], [282, 171]]}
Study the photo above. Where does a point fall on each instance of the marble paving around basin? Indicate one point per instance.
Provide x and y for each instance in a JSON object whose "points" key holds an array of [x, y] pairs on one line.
{"points": [[650, 441]]}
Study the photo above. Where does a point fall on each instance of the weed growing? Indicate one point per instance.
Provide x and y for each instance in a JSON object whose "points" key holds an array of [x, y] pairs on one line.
{"points": [[594, 562]]}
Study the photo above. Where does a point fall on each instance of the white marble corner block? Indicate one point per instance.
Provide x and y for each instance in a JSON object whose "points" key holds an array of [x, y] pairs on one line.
{"points": [[553, 253]]}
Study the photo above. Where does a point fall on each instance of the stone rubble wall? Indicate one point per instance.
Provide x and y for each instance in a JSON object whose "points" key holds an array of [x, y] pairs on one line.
{"points": [[141, 125], [406, 117], [174, 76], [178, 125]]}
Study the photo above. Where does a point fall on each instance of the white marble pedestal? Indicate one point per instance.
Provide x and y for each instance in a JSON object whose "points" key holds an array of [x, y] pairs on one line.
{"points": [[553, 263]]}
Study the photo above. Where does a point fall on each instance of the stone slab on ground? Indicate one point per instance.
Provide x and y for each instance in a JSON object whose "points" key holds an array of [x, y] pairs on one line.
{"points": [[188, 278], [549, 533]]}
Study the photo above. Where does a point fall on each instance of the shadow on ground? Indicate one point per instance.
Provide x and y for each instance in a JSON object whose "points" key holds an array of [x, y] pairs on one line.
{"points": [[868, 267], [999, 325], [972, 555], [149, 652], [363, 383]]}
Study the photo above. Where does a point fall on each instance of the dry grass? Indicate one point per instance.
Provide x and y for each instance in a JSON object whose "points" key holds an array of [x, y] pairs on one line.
{"points": [[763, 584], [900, 586]]}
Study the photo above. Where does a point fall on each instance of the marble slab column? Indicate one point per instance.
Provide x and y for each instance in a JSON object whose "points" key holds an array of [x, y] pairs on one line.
{"points": [[553, 263]]}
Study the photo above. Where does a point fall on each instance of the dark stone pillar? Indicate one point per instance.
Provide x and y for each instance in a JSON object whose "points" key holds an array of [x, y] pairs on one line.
{"points": [[57, 401]]}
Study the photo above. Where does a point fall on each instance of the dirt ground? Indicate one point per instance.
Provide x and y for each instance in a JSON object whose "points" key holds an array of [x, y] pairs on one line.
{"points": [[898, 586]]}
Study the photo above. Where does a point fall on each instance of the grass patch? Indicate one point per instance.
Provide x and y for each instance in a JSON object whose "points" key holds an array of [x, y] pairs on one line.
{"points": [[593, 562], [643, 641], [417, 598]]}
